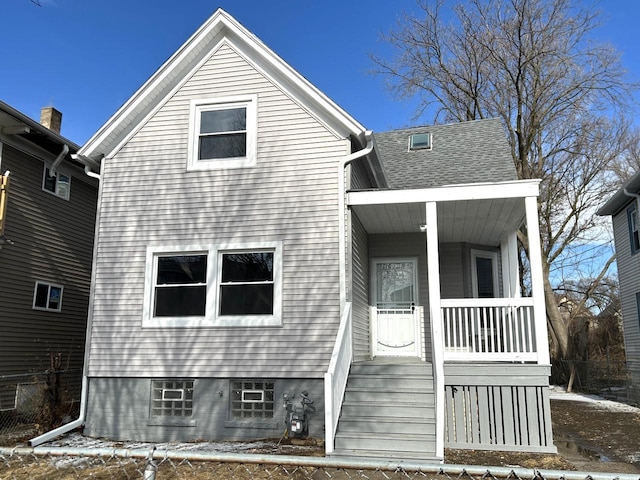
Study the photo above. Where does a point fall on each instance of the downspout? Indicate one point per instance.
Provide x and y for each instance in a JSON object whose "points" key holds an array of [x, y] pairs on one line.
{"points": [[58, 160], [341, 201], [79, 422], [329, 384]]}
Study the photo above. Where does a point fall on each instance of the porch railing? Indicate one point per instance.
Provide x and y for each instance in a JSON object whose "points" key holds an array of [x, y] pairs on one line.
{"points": [[335, 380], [488, 329]]}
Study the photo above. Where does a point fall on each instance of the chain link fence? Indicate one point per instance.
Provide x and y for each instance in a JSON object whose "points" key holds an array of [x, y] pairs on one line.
{"points": [[32, 403], [69, 463]]}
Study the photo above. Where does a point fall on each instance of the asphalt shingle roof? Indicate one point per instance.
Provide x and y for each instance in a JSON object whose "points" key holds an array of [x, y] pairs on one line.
{"points": [[466, 152]]}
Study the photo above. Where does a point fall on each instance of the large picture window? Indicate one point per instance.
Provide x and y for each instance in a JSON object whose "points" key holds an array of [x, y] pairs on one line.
{"points": [[215, 285], [223, 133]]}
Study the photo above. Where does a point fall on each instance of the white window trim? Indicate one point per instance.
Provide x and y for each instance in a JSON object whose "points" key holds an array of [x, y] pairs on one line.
{"points": [[474, 272], [250, 102], [48, 284], [212, 317], [56, 193]]}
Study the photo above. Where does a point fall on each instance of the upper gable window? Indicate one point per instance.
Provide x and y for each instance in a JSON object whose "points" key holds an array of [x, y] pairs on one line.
{"points": [[223, 133], [59, 184], [420, 141]]}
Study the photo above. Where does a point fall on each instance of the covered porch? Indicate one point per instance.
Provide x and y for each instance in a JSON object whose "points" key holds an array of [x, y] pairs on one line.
{"points": [[466, 308]]}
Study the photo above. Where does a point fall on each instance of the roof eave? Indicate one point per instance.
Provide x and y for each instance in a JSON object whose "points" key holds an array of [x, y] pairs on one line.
{"points": [[620, 199]]}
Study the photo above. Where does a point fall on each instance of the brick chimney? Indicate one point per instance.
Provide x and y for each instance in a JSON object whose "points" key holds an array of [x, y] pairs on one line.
{"points": [[51, 118]]}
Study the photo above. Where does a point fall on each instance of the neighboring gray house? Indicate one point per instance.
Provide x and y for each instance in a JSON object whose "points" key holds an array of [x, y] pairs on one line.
{"points": [[624, 208], [47, 220], [256, 240]]}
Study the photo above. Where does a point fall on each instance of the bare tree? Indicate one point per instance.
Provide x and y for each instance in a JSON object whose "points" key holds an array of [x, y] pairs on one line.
{"points": [[562, 99]]}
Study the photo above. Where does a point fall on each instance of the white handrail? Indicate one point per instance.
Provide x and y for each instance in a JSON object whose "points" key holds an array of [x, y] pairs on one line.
{"points": [[335, 379]]}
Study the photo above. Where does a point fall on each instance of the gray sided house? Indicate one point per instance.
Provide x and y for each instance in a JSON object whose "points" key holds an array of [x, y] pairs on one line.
{"points": [[624, 208], [254, 240], [47, 221]]}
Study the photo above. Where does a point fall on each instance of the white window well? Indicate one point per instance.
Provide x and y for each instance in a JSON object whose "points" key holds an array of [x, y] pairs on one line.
{"points": [[222, 133], [59, 185], [48, 297], [216, 285], [420, 141]]}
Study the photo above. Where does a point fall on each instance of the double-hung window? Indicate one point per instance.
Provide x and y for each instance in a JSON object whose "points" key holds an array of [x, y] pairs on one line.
{"points": [[246, 284], [634, 234], [223, 133], [180, 285], [215, 285], [59, 185]]}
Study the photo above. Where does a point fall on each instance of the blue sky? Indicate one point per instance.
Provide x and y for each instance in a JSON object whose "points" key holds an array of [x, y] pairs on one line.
{"points": [[86, 57]]}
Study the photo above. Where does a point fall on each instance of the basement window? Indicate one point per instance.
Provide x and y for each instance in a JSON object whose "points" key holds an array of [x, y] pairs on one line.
{"points": [[420, 141], [172, 398], [252, 399]]}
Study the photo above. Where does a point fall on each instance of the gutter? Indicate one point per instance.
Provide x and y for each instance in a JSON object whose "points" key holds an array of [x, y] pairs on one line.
{"points": [[91, 164]]}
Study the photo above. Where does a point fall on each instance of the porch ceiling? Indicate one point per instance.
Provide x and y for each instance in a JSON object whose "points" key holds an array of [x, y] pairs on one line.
{"points": [[484, 222]]}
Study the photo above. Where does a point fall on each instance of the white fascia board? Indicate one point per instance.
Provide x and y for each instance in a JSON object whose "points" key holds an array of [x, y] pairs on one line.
{"points": [[449, 193], [209, 33]]}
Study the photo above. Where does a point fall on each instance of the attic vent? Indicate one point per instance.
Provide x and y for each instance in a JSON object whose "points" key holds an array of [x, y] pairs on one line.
{"points": [[420, 141]]}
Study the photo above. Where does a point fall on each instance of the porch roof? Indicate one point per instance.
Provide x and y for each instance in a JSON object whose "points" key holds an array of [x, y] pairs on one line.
{"points": [[482, 213]]}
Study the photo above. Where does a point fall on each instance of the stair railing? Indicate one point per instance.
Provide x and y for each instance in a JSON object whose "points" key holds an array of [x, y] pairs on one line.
{"points": [[335, 379]]}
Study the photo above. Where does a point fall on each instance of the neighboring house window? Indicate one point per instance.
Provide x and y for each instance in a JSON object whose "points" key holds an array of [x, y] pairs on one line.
{"points": [[171, 398], [59, 184], [215, 285], [634, 235], [47, 297], [246, 285], [180, 285], [252, 399], [223, 133]]}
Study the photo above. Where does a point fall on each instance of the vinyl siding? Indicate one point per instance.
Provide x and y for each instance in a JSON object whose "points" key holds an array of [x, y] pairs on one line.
{"points": [[290, 196], [53, 243], [629, 276], [360, 292]]}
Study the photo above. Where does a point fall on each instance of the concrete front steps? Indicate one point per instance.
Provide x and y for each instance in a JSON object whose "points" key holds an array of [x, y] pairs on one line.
{"points": [[388, 412]]}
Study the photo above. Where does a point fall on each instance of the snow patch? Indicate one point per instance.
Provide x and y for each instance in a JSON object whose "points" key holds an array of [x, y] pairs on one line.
{"points": [[560, 393]]}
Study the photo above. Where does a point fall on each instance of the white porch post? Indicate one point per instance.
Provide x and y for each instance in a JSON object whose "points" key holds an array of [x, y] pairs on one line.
{"points": [[510, 270], [433, 271], [537, 288]]}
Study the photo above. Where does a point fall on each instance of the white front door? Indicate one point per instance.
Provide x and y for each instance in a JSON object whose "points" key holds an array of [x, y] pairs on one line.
{"points": [[395, 322]]}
